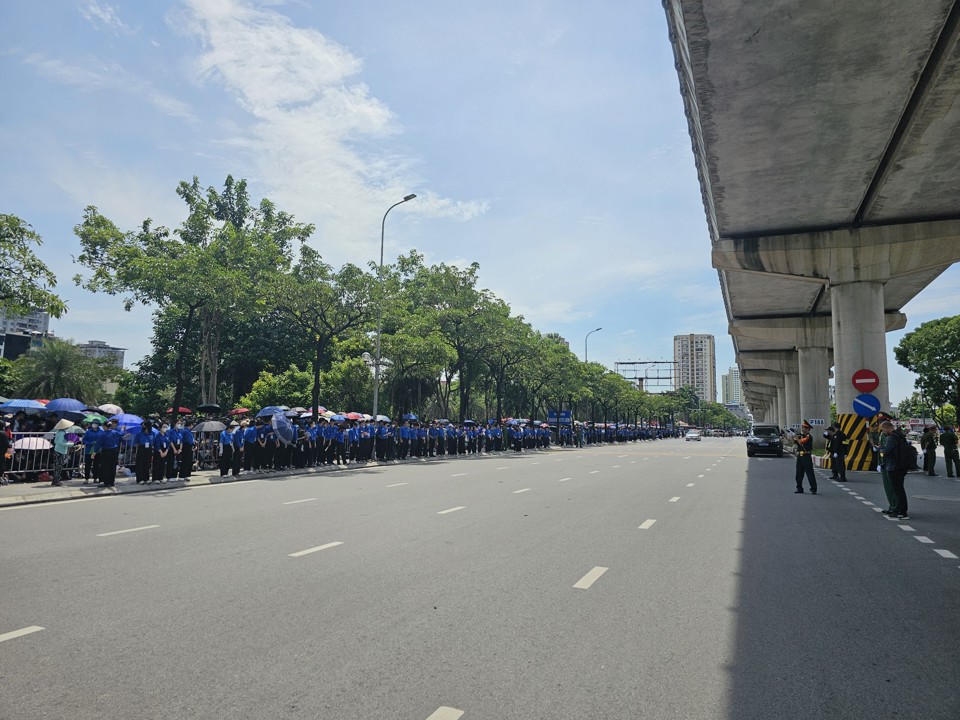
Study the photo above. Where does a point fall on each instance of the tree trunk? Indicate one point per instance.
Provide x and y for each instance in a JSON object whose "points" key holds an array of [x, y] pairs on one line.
{"points": [[178, 368], [315, 395]]}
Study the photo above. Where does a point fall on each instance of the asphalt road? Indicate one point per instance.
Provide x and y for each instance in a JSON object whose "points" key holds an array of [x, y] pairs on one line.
{"points": [[646, 580]]}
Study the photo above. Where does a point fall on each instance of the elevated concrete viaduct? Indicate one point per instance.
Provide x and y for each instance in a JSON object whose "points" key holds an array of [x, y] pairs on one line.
{"points": [[824, 138]]}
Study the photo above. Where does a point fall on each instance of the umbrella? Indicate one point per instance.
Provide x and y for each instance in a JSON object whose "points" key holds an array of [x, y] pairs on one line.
{"points": [[42, 401], [21, 405], [354, 416], [364, 416], [90, 417], [208, 426], [32, 443], [328, 414], [469, 422], [410, 416], [272, 410], [382, 418], [126, 421], [180, 411], [61, 404], [111, 409], [238, 411], [308, 414], [338, 418], [283, 427], [299, 409], [211, 408], [292, 413], [442, 420]]}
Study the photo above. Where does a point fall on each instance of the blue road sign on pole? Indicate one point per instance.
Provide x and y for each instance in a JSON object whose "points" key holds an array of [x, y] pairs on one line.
{"points": [[566, 417], [866, 405], [552, 416]]}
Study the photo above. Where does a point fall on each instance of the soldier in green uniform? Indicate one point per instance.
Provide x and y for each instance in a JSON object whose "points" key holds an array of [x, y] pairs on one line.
{"points": [[877, 441], [948, 438], [928, 443]]}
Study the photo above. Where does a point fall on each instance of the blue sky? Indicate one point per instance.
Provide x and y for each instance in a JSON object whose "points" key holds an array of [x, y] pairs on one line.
{"points": [[545, 140]]}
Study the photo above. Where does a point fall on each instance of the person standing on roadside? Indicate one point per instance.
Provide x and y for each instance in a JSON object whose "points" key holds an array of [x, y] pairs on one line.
{"points": [[186, 454], [804, 445], [928, 443], [162, 449], [61, 448], [108, 448], [951, 456], [226, 448], [895, 461], [143, 446], [91, 461], [877, 441], [837, 447]]}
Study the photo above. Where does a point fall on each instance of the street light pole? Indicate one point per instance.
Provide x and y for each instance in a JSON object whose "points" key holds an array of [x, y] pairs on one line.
{"points": [[585, 342], [376, 362]]}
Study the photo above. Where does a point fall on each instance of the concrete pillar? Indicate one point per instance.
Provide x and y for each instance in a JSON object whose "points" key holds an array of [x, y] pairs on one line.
{"points": [[791, 383], [814, 387], [859, 340], [780, 404]]}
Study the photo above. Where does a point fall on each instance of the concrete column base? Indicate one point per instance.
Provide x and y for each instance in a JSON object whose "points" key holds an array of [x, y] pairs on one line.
{"points": [[860, 452]]}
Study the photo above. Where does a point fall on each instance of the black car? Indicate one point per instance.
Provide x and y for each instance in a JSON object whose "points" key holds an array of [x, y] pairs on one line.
{"points": [[764, 439]]}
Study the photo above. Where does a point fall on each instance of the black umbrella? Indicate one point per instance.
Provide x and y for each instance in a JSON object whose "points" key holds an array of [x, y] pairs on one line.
{"points": [[208, 426], [211, 408]]}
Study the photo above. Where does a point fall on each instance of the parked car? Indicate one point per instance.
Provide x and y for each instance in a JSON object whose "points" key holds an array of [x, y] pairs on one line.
{"points": [[692, 435], [764, 440]]}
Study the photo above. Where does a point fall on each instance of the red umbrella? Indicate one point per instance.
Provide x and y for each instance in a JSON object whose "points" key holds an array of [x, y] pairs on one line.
{"points": [[40, 400], [353, 416], [181, 410], [238, 411]]}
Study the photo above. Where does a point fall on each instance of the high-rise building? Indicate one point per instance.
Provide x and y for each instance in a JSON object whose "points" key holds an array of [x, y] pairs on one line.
{"points": [[99, 349], [731, 391], [695, 360], [36, 322]]}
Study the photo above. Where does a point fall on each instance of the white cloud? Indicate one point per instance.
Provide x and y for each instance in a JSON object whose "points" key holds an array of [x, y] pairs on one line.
{"points": [[318, 137], [103, 14]]}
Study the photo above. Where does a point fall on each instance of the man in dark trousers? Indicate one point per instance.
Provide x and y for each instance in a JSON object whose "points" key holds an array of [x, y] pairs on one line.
{"points": [[948, 438], [837, 447], [928, 443], [804, 444], [895, 462]]}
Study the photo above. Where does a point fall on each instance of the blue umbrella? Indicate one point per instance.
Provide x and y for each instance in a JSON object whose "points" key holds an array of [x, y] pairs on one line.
{"points": [[469, 422], [283, 426], [338, 418], [126, 421], [382, 418], [410, 416], [62, 404], [272, 410], [22, 405]]}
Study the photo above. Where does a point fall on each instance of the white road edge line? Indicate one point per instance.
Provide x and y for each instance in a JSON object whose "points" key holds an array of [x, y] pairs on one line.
{"points": [[294, 502], [21, 633], [647, 524], [121, 532], [590, 578], [445, 713], [517, 492], [315, 549], [945, 553], [459, 507], [674, 499], [397, 484]]}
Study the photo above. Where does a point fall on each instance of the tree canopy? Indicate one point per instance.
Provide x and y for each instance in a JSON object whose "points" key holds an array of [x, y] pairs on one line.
{"points": [[25, 281], [932, 351]]}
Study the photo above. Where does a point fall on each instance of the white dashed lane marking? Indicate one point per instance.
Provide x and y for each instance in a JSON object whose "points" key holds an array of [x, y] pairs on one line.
{"points": [[563, 479], [20, 633], [924, 539], [647, 524], [301, 553], [699, 476], [445, 713], [690, 484], [594, 472], [458, 475], [945, 554], [454, 509], [121, 532], [590, 578], [295, 502], [505, 467], [675, 499], [517, 492], [687, 457], [397, 484]]}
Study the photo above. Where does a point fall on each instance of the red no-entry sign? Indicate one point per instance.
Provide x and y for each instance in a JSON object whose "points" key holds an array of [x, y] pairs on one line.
{"points": [[866, 381]]}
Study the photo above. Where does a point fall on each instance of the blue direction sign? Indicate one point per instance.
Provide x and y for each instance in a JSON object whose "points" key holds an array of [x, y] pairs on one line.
{"points": [[566, 417], [866, 405], [552, 416]]}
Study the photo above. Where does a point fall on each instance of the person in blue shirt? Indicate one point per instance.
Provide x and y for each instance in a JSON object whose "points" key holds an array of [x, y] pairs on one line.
{"points": [[142, 442], [186, 454], [226, 448], [108, 448], [236, 439], [173, 457], [161, 451], [250, 445], [91, 461], [264, 459], [403, 446]]}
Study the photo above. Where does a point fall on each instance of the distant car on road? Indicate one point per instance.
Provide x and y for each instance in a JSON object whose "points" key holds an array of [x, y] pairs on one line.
{"points": [[692, 435], [764, 440]]}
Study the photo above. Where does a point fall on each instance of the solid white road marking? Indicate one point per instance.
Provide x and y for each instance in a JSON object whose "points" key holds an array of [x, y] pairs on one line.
{"points": [[458, 507], [458, 475], [647, 524], [445, 713], [397, 484], [294, 502], [517, 492], [674, 499], [690, 484], [923, 539], [315, 549], [945, 553], [20, 633], [121, 532], [590, 578]]}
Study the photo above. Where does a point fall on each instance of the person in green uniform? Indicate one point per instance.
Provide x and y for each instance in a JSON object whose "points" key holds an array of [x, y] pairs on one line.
{"points": [[948, 438], [928, 443], [877, 441], [804, 445]]}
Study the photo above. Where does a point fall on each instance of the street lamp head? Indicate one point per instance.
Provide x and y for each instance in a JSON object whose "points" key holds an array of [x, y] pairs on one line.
{"points": [[598, 329], [407, 198]]}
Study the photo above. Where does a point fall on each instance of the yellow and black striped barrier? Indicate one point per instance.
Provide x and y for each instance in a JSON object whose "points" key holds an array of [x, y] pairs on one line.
{"points": [[860, 454]]}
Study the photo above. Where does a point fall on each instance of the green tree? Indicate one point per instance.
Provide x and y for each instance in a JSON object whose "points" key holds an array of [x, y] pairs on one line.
{"points": [[291, 387], [932, 351], [25, 281], [59, 369], [347, 385], [6, 377]]}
